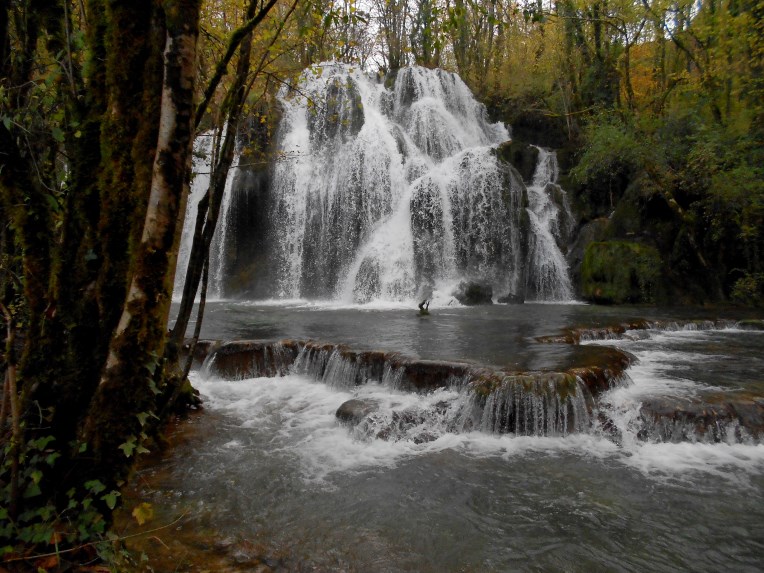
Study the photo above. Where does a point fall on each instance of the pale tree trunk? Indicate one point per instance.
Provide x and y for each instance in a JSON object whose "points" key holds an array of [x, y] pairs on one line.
{"points": [[127, 389]]}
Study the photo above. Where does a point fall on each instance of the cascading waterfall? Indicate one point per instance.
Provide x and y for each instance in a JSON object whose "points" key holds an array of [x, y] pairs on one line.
{"points": [[385, 193], [389, 192]]}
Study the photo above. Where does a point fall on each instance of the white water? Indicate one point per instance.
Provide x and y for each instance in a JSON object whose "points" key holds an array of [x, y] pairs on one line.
{"points": [[396, 194], [202, 168], [300, 415], [551, 223], [299, 411]]}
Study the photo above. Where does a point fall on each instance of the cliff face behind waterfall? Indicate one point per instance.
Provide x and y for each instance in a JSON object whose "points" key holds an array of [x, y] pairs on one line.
{"points": [[385, 191]]}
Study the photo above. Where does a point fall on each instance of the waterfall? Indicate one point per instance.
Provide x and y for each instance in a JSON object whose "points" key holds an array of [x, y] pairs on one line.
{"points": [[551, 225], [383, 192], [202, 168]]}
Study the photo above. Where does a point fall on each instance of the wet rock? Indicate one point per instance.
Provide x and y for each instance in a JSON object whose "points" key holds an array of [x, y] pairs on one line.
{"points": [[716, 418], [353, 411], [751, 324], [472, 293], [587, 234], [521, 156], [250, 358], [511, 298]]}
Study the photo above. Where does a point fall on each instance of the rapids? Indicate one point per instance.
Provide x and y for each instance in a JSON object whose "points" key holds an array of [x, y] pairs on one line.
{"points": [[269, 465]]}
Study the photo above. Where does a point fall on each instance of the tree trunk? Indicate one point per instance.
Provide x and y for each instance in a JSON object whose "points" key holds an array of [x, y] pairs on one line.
{"points": [[127, 387]]}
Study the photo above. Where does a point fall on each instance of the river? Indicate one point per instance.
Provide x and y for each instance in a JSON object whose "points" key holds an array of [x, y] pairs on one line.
{"points": [[266, 476]]}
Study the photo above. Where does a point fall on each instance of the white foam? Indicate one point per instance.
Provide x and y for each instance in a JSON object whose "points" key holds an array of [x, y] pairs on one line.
{"points": [[299, 415]]}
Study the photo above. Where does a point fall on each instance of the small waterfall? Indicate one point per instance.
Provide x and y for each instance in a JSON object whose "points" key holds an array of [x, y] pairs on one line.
{"points": [[202, 159], [202, 168], [537, 407], [551, 223]]}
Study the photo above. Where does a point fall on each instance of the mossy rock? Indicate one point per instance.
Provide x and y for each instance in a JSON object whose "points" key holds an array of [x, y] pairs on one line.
{"points": [[618, 272]]}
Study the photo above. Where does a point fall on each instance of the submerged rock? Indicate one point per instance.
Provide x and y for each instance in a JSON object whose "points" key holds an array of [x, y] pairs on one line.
{"points": [[473, 293], [353, 411]]}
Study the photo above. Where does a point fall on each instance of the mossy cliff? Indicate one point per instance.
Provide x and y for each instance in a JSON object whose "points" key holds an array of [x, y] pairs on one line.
{"points": [[616, 272]]}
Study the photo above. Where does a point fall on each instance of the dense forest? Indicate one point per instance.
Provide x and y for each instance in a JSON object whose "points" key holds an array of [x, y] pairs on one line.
{"points": [[656, 108]]}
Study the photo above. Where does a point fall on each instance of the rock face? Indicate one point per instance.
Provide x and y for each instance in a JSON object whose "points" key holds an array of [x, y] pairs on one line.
{"points": [[353, 411], [474, 293], [587, 234]]}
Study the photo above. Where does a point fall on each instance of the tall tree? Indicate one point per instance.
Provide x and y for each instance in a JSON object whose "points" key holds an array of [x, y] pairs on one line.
{"points": [[96, 103]]}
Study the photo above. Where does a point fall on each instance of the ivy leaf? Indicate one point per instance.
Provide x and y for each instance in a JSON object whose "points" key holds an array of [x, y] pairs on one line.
{"points": [[128, 447], [111, 498], [95, 486], [32, 491]]}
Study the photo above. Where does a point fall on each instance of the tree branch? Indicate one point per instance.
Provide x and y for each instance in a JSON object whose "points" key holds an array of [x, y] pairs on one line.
{"points": [[236, 38]]}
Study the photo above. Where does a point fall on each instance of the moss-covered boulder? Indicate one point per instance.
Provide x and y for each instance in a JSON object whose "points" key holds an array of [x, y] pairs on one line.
{"points": [[617, 272]]}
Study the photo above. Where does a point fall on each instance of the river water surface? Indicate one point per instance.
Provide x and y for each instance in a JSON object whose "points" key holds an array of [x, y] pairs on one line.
{"points": [[267, 466]]}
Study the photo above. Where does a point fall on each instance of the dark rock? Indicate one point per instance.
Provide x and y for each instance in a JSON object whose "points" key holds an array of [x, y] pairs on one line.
{"points": [[474, 293], [251, 358], [589, 233], [716, 418], [353, 411], [522, 156], [751, 324], [511, 298]]}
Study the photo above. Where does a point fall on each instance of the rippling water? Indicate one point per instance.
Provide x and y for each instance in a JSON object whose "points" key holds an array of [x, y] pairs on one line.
{"points": [[267, 461]]}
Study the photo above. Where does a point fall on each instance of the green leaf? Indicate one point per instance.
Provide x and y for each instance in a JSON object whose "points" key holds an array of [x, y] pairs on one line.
{"points": [[32, 491], [52, 202], [95, 486], [128, 447], [58, 135], [41, 443], [111, 499], [7, 122], [142, 417]]}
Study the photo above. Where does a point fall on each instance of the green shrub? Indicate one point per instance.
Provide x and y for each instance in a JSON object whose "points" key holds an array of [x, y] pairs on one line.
{"points": [[617, 272]]}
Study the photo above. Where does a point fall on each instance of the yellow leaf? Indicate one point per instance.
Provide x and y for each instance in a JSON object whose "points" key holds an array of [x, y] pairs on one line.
{"points": [[143, 512]]}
